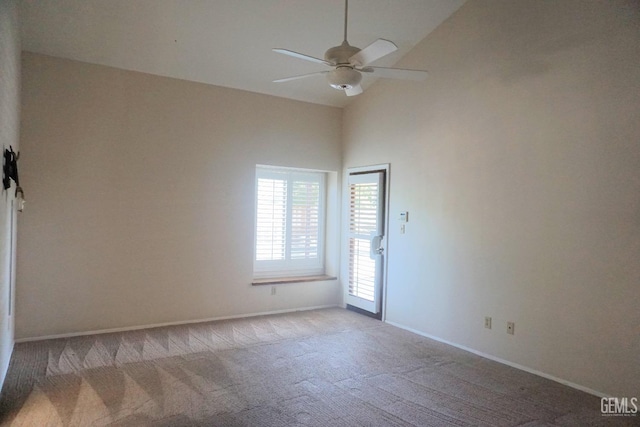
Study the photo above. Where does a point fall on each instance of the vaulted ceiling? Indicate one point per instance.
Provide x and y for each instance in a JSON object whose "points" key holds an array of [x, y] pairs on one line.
{"points": [[226, 42]]}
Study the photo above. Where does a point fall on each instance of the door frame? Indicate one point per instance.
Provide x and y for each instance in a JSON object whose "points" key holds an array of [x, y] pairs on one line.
{"points": [[386, 167]]}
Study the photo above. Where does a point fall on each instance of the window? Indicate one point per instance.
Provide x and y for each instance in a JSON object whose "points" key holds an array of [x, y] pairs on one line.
{"points": [[289, 223]]}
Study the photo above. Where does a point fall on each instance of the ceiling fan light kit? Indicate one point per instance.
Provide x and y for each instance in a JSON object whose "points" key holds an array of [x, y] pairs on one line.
{"points": [[343, 78], [350, 62]]}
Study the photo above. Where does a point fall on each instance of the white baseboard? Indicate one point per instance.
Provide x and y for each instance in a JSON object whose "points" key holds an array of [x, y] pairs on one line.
{"points": [[397, 325], [503, 361], [158, 325]]}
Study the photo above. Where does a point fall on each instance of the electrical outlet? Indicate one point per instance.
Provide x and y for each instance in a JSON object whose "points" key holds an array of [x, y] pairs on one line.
{"points": [[273, 290], [511, 328], [487, 322]]}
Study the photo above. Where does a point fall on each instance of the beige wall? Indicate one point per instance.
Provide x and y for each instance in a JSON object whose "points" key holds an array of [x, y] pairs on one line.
{"points": [[141, 192], [518, 161], [9, 136]]}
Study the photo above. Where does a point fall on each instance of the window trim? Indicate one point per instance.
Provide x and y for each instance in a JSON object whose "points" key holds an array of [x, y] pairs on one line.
{"points": [[288, 269]]}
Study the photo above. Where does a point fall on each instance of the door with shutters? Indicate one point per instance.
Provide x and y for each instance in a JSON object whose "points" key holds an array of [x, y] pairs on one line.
{"points": [[366, 238]]}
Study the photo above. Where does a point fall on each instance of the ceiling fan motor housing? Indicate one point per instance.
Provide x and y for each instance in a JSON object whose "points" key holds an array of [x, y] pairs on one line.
{"points": [[339, 55]]}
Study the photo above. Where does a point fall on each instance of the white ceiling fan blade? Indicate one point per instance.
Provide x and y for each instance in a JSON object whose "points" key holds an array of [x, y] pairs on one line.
{"points": [[356, 90], [301, 56], [302, 76], [396, 73], [375, 50]]}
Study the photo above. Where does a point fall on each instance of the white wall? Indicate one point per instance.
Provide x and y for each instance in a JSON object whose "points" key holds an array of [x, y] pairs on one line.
{"points": [[141, 197], [519, 163], [9, 136]]}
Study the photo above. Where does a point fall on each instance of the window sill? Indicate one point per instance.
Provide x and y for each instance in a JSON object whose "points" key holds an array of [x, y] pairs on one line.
{"points": [[299, 279]]}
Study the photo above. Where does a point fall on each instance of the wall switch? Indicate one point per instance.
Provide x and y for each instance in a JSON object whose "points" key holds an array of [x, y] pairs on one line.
{"points": [[273, 290], [487, 322], [402, 229], [511, 328]]}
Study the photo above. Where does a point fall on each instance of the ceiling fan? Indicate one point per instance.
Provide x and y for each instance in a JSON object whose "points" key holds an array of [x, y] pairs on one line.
{"points": [[349, 62]]}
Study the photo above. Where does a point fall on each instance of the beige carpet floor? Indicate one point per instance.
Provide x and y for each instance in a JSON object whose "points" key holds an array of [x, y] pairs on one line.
{"points": [[314, 368]]}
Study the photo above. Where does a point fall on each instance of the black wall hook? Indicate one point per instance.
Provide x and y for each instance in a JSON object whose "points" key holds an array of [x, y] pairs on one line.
{"points": [[11, 170]]}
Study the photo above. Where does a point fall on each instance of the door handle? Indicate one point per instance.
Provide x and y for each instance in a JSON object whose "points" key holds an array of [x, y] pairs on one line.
{"points": [[376, 246]]}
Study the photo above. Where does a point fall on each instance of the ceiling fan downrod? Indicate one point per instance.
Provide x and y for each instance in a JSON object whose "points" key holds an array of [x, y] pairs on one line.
{"points": [[346, 13]]}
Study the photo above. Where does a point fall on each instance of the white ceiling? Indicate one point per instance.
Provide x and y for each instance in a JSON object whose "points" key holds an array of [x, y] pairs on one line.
{"points": [[226, 42]]}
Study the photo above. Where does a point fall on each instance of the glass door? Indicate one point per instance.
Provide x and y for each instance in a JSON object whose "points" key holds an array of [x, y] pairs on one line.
{"points": [[366, 203]]}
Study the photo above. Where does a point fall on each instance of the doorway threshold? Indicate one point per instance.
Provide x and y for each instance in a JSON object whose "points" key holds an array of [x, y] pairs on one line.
{"points": [[358, 310]]}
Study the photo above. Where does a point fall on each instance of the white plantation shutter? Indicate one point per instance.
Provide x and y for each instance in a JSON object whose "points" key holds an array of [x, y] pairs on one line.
{"points": [[305, 218], [363, 223], [271, 217], [289, 222]]}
